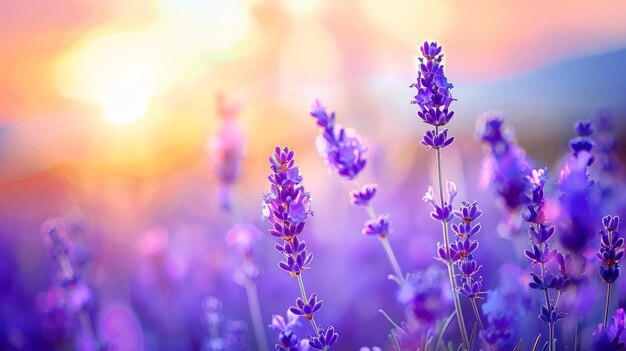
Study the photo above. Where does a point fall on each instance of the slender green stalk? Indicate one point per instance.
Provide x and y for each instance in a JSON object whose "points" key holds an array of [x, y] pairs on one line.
{"points": [[480, 321], [606, 305], [446, 241], [548, 304], [305, 298], [384, 241], [608, 292]]}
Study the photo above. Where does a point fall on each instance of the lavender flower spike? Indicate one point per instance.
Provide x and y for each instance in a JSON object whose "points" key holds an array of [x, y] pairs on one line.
{"points": [[433, 96], [287, 207], [540, 254], [434, 99], [343, 151], [610, 254]]}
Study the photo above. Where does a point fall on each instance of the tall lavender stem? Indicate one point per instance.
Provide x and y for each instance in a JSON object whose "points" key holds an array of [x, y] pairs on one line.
{"points": [[434, 99], [446, 242]]}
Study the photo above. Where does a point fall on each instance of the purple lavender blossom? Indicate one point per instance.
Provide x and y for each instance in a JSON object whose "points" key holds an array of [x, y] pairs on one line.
{"points": [[381, 226], [287, 339], [611, 249], [324, 339], [433, 96], [287, 206], [341, 148], [364, 196], [505, 166]]}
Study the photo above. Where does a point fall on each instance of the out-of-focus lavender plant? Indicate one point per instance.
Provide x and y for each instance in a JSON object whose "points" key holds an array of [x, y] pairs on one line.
{"points": [[608, 177], [244, 238], [434, 99], [610, 254], [541, 254], [77, 295], [504, 306], [504, 168], [343, 151], [225, 150], [610, 337], [577, 222], [287, 206], [229, 336]]}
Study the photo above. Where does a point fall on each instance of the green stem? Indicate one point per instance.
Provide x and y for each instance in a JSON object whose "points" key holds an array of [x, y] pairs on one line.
{"points": [[606, 305], [444, 226], [480, 321]]}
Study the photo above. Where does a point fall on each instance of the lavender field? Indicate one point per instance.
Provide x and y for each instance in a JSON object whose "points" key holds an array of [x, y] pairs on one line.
{"points": [[303, 175]]}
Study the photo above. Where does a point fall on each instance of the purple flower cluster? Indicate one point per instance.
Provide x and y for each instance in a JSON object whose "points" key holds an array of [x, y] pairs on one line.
{"points": [[575, 185], [433, 96], [341, 148], [506, 165], [611, 249], [287, 206]]}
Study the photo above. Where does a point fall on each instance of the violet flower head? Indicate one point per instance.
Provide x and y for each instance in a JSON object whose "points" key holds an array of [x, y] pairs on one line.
{"points": [[287, 339], [381, 226], [433, 96], [506, 165], [324, 339], [341, 148], [308, 308], [364, 196], [611, 250]]}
